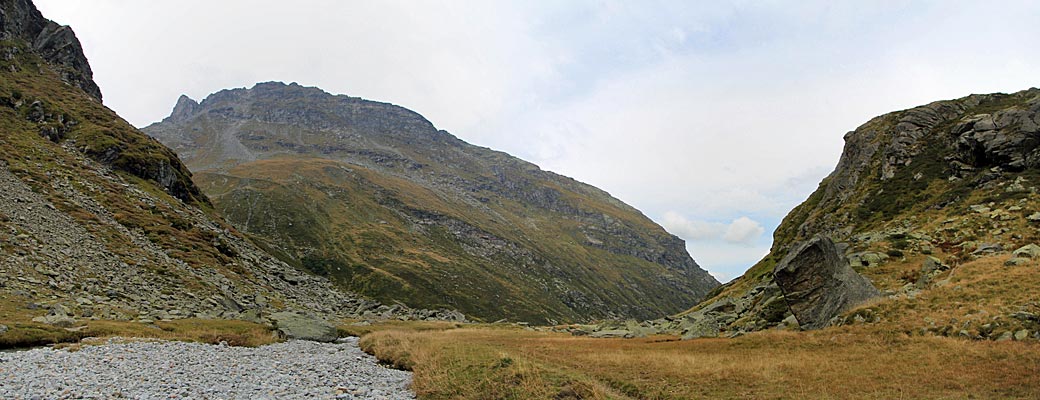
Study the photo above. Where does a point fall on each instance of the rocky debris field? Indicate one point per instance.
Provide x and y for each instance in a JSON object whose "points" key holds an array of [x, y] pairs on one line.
{"points": [[122, 368], [49, 256]]}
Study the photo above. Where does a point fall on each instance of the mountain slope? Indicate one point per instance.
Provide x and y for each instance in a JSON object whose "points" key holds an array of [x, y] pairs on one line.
{"points": [[97, 220], [372, 195], [922, 198]]}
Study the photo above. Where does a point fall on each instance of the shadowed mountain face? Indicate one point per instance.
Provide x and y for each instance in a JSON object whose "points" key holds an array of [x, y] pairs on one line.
{"points": [[373, 196]]}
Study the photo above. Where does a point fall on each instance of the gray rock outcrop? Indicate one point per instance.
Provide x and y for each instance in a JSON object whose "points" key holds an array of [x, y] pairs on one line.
{"points": [[55, 43], [819, 284], [299, 326]]}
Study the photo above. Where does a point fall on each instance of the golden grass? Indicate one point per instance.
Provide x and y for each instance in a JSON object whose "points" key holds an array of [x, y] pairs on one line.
{"points": [[354, 327], [837, 363], [901, 355], [972, 294]]}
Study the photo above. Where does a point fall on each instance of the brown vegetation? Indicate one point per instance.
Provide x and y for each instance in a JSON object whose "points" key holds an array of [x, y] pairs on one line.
{"points": [[487, 363]]}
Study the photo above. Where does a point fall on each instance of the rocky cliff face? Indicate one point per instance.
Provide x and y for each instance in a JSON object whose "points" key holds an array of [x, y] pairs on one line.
{"points": [[914, 192], [31, 42], [97, 220], [57, 44], [376, 197]]}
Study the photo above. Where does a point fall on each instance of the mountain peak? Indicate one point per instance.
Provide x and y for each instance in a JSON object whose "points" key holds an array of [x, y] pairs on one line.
{"points": [[185, 108]]}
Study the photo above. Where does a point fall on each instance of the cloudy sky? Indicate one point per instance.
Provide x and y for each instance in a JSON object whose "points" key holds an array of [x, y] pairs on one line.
{"points": [[713, 118]]}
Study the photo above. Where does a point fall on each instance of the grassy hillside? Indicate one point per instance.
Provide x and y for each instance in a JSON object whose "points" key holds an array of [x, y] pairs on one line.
{"points": [[374, 197], [394, 239]]}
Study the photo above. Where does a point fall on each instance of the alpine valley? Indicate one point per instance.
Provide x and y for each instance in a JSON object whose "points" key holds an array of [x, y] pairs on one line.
{"points": [[262, 220]]}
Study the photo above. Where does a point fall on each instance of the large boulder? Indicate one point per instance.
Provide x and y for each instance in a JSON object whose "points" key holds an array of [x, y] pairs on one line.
{"points": [[819, 284], [1027, 251], [303, 327], [700, 326]]}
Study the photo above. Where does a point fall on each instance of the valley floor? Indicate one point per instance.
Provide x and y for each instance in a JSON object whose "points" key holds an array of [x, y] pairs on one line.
{"points": [[835, 363], [969, 332]]}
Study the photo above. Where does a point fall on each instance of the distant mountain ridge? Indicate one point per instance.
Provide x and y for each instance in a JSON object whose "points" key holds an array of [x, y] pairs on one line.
{"points": [[396, 209]]}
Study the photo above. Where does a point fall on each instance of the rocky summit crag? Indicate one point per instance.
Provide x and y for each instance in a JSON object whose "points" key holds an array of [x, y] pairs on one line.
{"points": [[374, 197], [57, 44], [99, 221]]}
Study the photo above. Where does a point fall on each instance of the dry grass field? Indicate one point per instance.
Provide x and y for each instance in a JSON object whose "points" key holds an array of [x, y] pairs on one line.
{"points": [[836, 363], [901, 353]]}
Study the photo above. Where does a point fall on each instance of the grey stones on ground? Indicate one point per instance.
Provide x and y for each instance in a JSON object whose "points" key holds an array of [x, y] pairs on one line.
{"points": [[929, 269], [1027, 251], [157, 369], [1023, 255], [54, 260], [299, 326], [818, 283], [987, 248], [59, 316], [979, 208], [867, 258]]}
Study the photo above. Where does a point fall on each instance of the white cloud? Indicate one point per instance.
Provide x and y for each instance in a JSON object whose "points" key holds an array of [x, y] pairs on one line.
{"points": [[691, 230], [743, 230]]}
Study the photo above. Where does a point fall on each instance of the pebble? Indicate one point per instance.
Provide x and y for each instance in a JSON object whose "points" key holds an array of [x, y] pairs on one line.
{"points": [[135, 369]]}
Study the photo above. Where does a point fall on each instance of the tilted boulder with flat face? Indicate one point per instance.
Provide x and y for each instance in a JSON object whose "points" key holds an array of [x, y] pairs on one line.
{"points": [[819, 284]]}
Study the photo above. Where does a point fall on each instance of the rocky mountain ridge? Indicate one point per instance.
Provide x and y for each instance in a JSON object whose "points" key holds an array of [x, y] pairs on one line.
{"points": [[937, 206], [928, 203], [394, 207]]}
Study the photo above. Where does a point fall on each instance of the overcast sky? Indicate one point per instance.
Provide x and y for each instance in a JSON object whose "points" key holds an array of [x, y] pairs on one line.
{"points": [[714, 119]]}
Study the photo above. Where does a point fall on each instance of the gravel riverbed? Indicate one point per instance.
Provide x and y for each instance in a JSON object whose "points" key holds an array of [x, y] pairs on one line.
{"points": [[135, 369]]}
